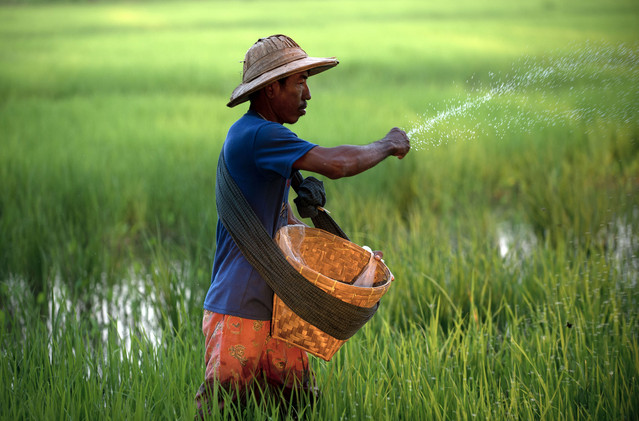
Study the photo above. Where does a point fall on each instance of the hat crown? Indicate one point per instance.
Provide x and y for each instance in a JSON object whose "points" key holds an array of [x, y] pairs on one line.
{"points": [[268, 54]]}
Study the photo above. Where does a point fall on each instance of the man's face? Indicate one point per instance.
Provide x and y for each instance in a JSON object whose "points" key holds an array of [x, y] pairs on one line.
{"points": [[289, 99]]}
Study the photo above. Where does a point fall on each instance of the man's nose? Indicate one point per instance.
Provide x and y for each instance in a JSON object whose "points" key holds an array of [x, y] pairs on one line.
{"points": [[307, 93]]}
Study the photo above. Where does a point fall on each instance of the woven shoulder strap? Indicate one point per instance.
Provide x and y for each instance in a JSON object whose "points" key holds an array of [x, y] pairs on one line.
{"points": [[321, 219], [335, 317]]}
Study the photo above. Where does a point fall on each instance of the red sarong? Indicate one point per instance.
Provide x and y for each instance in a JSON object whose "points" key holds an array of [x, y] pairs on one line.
{"points": [[240, 354]]}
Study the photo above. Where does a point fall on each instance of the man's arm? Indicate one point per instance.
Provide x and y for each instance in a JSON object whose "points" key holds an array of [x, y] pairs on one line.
{"points": [[348, 160]]}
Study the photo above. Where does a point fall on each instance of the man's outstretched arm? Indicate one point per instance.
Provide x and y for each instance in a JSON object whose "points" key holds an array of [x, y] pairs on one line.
{"points": [[348, 160]]}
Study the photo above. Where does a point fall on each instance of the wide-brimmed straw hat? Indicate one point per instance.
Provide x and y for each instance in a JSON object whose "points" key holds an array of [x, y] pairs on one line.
{"points": [[273, 58]]}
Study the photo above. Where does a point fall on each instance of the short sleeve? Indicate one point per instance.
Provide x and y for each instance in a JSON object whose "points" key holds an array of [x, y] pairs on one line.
{"points": [[277, 148]]}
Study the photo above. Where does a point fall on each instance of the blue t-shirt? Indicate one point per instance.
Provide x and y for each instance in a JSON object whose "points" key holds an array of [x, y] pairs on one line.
{"points": [[259, 155]]}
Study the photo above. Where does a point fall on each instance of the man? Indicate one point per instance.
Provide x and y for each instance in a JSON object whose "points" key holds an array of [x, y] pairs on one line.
{"points": [[261, 154]]}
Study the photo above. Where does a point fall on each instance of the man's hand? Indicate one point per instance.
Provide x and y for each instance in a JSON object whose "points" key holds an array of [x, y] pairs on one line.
{"points": [[399, 139], [378, 255]]}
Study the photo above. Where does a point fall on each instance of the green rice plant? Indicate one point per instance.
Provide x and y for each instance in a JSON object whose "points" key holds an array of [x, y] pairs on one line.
{"points": [[568, 353], [513, 245]]}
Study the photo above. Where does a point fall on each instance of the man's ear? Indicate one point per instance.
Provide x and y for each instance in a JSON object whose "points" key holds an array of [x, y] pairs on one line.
{"points": [[271, 90]]}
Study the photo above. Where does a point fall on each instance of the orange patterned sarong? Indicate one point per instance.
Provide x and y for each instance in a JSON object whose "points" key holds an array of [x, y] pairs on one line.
{"points": [[240, 354]]}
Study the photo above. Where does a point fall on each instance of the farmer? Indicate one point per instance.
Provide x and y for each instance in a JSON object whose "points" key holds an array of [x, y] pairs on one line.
{"points": [[261, 154]]}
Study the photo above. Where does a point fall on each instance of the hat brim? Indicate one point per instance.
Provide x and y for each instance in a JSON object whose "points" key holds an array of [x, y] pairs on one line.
{"points": [[314, 65]]}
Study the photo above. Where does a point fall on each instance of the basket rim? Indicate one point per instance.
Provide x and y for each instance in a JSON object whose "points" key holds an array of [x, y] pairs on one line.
{"points": [[330, 282]]}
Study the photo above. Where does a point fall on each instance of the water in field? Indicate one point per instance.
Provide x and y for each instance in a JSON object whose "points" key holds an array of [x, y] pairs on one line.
{"points": [[579, 86], [133, 306]]}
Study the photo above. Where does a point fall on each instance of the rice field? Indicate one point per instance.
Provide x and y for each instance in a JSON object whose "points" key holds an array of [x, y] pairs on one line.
{"points": [[511, 227]]}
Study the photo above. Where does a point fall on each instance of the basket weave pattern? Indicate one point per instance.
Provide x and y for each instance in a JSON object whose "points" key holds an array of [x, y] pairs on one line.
{"points": [[331, 263]]}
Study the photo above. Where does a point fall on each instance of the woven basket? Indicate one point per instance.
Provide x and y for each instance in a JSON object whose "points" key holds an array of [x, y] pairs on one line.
{"points": [[331, 263]]}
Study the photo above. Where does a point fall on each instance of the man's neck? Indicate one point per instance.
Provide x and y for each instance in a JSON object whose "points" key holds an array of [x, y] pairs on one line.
{"points": [[263, 108]]}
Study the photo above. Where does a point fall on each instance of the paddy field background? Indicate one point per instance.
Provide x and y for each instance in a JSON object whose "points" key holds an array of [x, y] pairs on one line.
{"points": [[511, 228]]}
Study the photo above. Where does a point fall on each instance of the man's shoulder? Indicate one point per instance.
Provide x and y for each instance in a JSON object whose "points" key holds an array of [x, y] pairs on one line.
{"points": [[251, 121], [253, 133]]}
